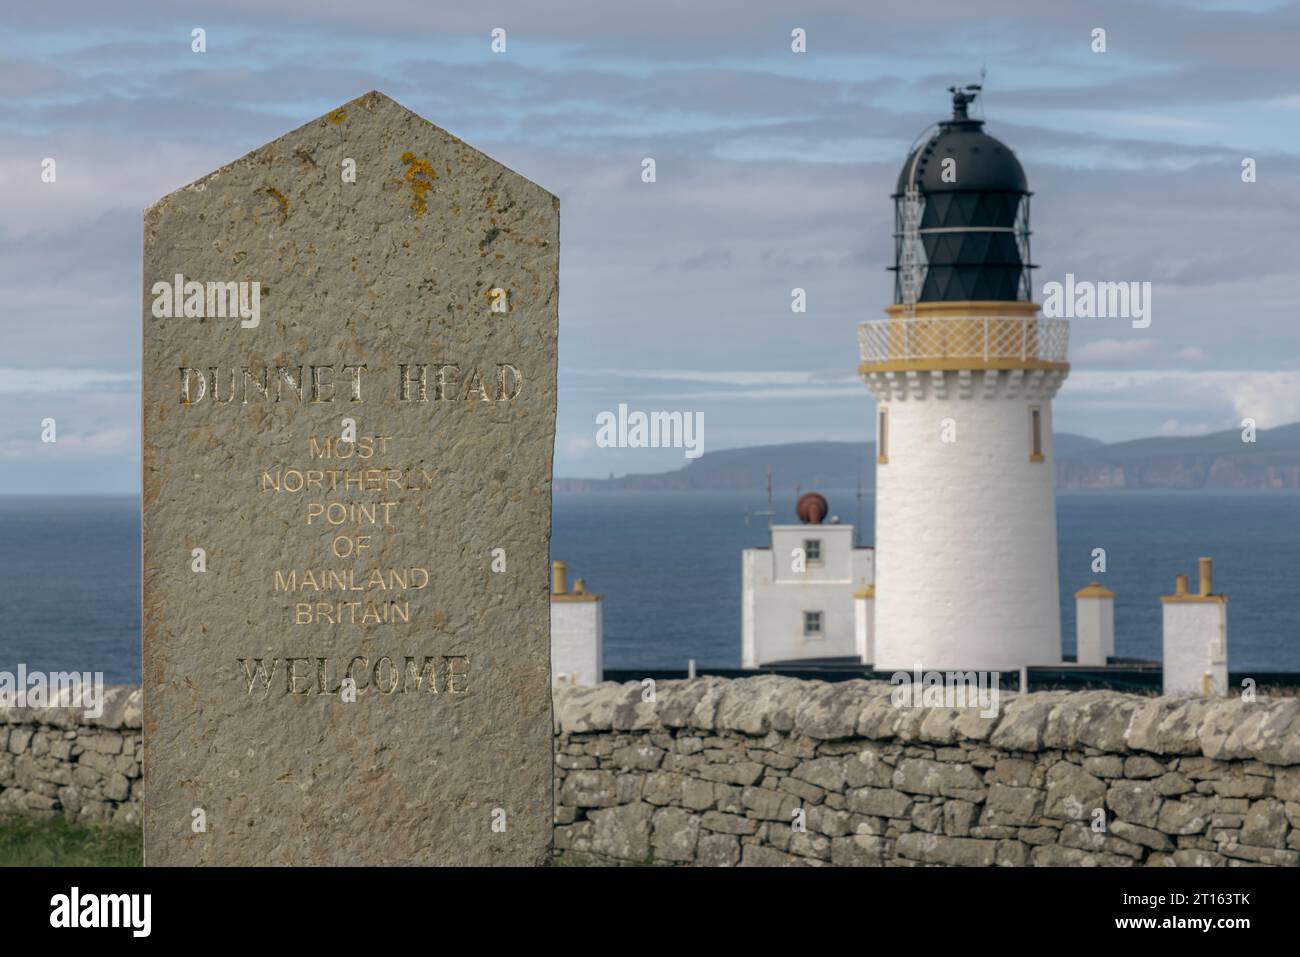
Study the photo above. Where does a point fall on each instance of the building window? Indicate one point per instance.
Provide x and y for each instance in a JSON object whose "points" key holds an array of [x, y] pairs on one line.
{"points": [[812, 550], [1036, 435], [812, 624], [882, 436]]}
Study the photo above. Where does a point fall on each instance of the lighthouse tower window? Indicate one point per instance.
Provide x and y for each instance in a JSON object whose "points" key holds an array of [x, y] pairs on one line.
{"points": [[882, 436], [812, 550], [1036, 435], [812, 624]]}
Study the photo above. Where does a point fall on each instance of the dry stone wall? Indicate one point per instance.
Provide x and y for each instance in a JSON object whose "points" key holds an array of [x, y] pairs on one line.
{"points": [[712, 772], [57, 760], [775, 771]]}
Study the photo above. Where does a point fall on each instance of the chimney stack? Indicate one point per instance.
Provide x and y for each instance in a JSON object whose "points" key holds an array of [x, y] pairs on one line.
{"points": [[1094, 624], [577, 631], [864, 623], [1195, 637]]}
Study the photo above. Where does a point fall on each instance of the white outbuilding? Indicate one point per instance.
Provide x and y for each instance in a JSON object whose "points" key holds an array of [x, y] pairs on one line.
{"points": [[798, 594], [577, 631]]}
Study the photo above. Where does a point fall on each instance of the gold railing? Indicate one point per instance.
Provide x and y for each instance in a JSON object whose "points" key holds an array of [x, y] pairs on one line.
{"points": [[973, 338]]}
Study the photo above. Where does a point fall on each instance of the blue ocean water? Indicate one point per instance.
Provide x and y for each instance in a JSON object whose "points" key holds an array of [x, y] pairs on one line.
{"points": [[70, 567], [668, 565]]}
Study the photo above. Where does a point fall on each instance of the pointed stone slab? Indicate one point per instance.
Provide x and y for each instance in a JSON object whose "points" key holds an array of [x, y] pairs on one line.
{"points": [[405, 569]]}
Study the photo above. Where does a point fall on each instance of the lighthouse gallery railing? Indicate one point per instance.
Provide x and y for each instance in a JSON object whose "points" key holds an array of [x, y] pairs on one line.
{"points": [[982, 337]]}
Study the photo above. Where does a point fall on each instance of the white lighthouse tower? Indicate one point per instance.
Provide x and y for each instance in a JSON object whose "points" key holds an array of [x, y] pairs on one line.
{"points": [[963, 371]]}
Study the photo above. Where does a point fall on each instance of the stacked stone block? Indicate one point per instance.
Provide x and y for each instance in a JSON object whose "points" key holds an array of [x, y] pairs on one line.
{"points": [[775, 771], [59, 761]]}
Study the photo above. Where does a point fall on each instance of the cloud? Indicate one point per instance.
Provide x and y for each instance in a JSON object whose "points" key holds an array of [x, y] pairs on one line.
{"points": [[116, 439], [1123, 404], [1271, 398], [1175, 427], [774, 171], [63, 380], [1113, 350], [578, 445], [721, 377], [1149, 121], [774, 394]]}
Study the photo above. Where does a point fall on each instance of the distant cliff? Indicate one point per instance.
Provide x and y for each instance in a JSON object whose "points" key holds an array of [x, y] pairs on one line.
{"points": [[1220, 460], [1217, 461]]}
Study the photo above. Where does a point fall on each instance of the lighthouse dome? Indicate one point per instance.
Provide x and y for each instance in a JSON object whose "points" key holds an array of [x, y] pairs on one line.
{"points": [[973, 210], [982, 162]]}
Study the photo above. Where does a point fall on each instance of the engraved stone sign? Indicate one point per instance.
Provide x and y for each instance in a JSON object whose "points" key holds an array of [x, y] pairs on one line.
{"points": [[349, 413]]}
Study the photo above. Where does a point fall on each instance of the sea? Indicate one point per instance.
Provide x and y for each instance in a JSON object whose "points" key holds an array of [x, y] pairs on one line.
{"points": [[668, 565]]}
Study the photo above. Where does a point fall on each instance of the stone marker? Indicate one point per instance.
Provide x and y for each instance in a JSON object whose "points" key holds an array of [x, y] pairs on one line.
{"points": [[349, 414]]}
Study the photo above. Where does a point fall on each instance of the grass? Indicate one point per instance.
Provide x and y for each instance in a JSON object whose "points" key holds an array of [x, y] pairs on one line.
{"points": [[53, 842]]}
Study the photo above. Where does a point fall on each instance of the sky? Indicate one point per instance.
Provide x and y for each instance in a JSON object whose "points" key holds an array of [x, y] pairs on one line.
{"points": [[773, 172]]}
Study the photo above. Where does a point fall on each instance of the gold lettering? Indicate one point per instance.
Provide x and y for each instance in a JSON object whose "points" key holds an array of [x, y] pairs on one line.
{"points": [[475, 384], [259, 673], [515, 375], [303, 676], [365, 666], [292, 677], [355, 372], [440, 387], [453, 674], [426, 670], [319, 384], [392, 670], [283, 376], [263, 387], [421, 393], [187, 396]]}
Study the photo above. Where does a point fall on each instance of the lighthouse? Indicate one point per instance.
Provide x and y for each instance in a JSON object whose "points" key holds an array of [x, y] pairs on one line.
{"points": [[963, 371]]}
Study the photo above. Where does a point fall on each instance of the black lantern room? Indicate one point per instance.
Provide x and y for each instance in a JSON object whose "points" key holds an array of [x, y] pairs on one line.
{"points": [[961, 214]]}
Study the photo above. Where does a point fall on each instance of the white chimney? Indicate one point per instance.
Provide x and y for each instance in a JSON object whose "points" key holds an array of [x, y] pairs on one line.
{"points": [[864, 623], [1196, 638], [1094, 624], [577, 631]]}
